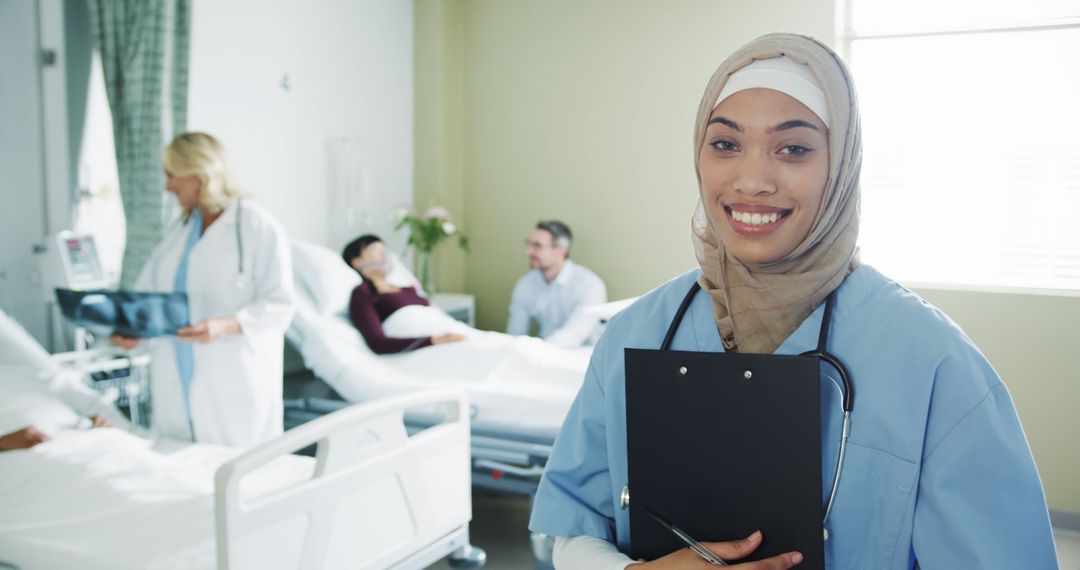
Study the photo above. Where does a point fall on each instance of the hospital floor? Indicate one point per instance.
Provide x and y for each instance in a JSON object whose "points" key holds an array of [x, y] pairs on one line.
{"points": [[500, 527], [1068, 547]]}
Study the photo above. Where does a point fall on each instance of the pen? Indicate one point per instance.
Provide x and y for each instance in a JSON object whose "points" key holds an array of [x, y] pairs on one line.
{"points": [[686, 538]]}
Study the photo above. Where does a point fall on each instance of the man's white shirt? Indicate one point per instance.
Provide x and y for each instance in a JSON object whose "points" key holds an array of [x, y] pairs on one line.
{"points": [[556, 306]]}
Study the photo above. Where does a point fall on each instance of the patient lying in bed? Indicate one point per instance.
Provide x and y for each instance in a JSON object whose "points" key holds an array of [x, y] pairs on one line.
{"points": [[376, 299], [510, 380], [73, 497], [107, 499], [40, 398], [396, 319]]}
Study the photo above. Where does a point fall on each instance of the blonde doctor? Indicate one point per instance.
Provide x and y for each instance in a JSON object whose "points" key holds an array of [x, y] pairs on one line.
{"points": [[218, 380]]}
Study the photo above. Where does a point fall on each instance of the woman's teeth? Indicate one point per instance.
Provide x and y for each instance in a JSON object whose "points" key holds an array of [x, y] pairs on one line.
{"points": [[755, 219]]}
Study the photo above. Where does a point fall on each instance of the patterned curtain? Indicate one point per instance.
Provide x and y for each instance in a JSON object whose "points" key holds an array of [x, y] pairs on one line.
{"points": [[144, 56]]}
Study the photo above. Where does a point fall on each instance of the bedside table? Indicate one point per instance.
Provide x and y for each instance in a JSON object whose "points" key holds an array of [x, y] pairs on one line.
{"points": [[458, 305]]}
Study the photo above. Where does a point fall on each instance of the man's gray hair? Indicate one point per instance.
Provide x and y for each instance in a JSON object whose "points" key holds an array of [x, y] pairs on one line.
{"points": [[561, 233]]}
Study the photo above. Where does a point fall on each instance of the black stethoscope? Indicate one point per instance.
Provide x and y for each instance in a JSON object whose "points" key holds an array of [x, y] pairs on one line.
{"points": [[821, 353]]}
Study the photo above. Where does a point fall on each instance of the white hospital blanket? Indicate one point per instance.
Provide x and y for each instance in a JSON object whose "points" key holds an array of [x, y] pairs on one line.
{"points": [[521, 382], [103, 498]]}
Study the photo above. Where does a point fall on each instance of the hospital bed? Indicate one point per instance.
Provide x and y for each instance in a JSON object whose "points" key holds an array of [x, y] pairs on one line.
{"points": [[518, 404], [373, 496]]}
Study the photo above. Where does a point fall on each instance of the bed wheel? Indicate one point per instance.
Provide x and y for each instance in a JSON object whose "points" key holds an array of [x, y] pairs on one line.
{"points": [[468, 556]]}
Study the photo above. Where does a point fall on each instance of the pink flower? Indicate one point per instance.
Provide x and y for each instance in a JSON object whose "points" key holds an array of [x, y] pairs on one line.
{"points": [[437, 212]]}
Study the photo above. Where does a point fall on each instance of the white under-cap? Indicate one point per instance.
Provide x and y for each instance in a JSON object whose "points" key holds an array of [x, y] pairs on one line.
{"points": [[784, 75]]}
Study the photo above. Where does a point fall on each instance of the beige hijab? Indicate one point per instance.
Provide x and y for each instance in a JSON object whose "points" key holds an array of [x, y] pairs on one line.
{"points": [[758, 306]]}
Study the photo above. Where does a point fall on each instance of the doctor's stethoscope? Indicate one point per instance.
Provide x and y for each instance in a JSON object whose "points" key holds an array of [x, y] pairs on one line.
{"points": [[821, 353], [239, 248]]}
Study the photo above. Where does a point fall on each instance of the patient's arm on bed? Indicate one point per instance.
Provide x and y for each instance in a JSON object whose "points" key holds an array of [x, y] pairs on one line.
{"points": [[25, 438], [366, 319], [67, 385]]}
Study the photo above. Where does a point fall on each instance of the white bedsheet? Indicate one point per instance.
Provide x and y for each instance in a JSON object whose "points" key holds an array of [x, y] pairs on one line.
{"points": [[520, 382], [104, 498]]}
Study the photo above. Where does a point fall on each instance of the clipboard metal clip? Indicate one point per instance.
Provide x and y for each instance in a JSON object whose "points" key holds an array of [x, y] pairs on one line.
{"points": [[624, 497]]}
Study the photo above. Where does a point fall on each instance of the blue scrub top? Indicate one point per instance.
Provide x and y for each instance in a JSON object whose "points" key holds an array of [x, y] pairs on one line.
{"points": [[937, 469]]}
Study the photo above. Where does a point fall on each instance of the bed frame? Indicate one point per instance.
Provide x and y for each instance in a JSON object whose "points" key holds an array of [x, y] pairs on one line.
{"points": [[365, 456], [504, 459]]}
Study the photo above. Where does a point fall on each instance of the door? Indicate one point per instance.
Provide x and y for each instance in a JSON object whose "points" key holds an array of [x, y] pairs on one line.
{"points": [[23, 216]]}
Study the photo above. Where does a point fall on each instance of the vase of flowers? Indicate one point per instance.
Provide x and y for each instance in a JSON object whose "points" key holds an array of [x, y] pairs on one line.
{"points": [[425, 233]]}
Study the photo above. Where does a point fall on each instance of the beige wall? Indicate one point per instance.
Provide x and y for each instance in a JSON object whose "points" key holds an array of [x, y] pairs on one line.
{"points": [[1030, 340], [583, 111], [439, 124]]}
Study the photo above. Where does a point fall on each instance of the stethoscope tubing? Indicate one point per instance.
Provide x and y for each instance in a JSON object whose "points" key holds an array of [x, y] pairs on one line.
{"points": [[239, 244], [839, 466]]}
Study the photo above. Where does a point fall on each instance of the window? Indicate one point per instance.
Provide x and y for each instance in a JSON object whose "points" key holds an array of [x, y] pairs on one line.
{"points": [[99, 211], [971, 165]]}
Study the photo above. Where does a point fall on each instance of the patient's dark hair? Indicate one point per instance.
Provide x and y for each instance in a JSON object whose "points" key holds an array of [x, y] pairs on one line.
{"points": [[560, 233], [357, 246]]}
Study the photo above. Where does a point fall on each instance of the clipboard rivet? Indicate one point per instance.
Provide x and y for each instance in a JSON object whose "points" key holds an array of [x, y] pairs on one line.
{"points": [[748, 375], [682, 370]]}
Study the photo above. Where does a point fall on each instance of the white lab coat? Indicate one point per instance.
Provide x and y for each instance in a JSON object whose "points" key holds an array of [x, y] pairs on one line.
{"points": [[237, 380]]}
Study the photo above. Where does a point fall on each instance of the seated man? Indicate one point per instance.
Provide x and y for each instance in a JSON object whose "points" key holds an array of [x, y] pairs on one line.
{"points": [[554, 293], [29, 379]]}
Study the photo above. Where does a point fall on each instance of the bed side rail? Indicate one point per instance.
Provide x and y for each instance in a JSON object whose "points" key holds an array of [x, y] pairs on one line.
{"points": [[376, 494]]}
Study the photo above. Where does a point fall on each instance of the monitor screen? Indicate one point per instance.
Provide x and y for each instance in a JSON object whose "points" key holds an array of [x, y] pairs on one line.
{"points": [[81, 260]]}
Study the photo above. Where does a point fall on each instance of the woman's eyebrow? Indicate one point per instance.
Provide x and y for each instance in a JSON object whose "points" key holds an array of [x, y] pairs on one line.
{"points": [[727, 122], [792, 124]]}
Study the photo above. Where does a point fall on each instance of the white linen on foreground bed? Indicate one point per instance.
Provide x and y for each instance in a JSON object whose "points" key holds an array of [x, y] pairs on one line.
{"points": [[104, 498]]}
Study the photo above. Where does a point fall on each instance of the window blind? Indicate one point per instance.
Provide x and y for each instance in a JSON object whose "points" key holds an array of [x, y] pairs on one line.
{"points": [[971, 122]]}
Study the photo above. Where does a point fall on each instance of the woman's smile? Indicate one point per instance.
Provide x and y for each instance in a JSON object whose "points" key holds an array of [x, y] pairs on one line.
{"points": [[755, 220]]}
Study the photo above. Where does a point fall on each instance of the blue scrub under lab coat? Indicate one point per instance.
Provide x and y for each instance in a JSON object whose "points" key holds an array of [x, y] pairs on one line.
{"points": [[937, 470]]}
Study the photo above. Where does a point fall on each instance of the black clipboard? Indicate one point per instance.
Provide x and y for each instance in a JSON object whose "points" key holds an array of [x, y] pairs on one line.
{"points": [[722, 453]]}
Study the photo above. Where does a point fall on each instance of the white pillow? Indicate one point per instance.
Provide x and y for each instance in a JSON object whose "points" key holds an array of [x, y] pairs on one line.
{"points": [[323, 277], [400, 276]]}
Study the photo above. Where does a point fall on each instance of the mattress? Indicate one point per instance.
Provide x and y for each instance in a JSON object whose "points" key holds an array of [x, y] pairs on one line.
{"points": [[518, 382], [104, 498]]}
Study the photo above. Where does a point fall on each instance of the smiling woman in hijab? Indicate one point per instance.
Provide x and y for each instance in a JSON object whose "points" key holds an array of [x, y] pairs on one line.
{"points": [[937, 473]]}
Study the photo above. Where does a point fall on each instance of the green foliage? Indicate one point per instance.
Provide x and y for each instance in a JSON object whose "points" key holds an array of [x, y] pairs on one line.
{"points": [[430, 229]]}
